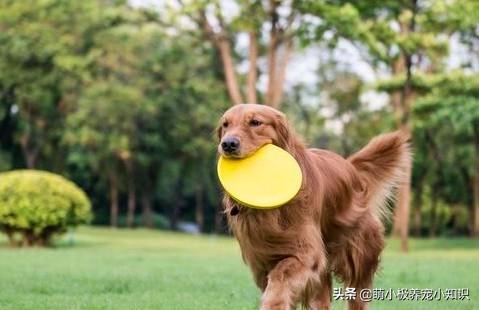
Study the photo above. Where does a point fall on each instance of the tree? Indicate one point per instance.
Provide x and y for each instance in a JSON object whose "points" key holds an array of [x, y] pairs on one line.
{"points": [[454, 100], [32, 54], [406, 37], [112, 102], [222, 28], [188, 127]]}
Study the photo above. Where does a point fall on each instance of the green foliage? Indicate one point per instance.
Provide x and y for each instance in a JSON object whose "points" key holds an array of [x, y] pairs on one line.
{"points": [[38, 204], [444, 122], [421, 83], [454, 99], [41, 51], [102, 91], [410, 39], [374, 25]]}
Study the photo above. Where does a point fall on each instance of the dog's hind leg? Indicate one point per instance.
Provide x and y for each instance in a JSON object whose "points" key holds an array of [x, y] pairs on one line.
{"points": [[366, 282], [364, 256], [320, 298]]}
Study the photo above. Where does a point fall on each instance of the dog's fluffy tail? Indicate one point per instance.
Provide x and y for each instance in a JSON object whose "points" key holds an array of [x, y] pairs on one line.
{"points": [[383, 164]]}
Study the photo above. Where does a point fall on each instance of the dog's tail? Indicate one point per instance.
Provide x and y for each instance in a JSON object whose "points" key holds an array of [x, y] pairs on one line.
{"points": [[383, 164]]}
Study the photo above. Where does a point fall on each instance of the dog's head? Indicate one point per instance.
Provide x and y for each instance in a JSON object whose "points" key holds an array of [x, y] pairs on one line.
{"points": [[246, 127]]}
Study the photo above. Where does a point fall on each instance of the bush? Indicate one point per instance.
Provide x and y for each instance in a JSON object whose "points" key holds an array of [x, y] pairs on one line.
{"points": [[35, 205]]}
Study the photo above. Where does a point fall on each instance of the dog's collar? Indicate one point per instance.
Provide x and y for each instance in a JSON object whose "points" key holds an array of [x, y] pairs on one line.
{"points": [[235, 210]]}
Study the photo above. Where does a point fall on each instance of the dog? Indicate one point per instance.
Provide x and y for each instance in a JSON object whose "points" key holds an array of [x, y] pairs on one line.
{"points": [[333, 226]]}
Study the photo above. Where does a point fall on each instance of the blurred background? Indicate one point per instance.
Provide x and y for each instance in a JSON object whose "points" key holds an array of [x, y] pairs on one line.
{"points": [[122, 97], [117, 102]]}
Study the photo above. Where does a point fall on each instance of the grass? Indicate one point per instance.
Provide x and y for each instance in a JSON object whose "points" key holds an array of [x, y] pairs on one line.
{"points": [[140, 269]]}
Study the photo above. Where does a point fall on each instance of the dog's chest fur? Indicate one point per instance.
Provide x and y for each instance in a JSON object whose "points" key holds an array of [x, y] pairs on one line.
{"points": [[267, 236]]}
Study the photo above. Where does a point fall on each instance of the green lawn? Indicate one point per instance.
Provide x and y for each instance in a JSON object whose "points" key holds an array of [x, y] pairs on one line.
{"points": [[140, 269]]}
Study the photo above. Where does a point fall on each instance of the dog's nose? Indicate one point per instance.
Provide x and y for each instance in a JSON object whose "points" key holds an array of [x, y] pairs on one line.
{"points": [[230, 145]]}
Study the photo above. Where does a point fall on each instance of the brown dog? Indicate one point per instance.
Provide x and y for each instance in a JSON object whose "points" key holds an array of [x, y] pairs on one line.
{"points": [[334, 224]]}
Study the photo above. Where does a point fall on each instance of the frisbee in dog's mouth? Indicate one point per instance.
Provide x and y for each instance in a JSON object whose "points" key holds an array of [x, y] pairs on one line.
{"points": [[269, 178]]}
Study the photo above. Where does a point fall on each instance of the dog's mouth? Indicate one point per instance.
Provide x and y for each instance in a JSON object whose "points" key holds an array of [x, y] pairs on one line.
{"points": [[238, 154], [232, 155], [235, 155]]}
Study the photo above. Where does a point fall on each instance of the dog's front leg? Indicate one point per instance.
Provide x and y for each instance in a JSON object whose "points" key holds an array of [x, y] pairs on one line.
{"points": [[286, 282]]}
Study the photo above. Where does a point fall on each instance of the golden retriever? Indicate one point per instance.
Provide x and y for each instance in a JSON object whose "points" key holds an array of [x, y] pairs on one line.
{"points": [[334, 224]]}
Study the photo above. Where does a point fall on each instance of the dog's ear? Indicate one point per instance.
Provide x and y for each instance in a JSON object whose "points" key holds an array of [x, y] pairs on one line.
{"points": [[283, 130], [219, 131]]}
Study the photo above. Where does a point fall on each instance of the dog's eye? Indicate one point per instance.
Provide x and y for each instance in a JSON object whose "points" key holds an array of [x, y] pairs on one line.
{"points": [[225, 124], [254, 123]]}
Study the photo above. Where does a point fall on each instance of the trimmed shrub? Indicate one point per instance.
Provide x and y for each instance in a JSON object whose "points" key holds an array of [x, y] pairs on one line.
{"points": [[35, 205]]}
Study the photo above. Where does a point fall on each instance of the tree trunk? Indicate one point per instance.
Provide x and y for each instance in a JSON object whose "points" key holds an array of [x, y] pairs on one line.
{"points": [[219, 216], [229, 70], [31, 159], [148, 220], [11, 236], [433, 213], [417, 209], [28, 238], [276, 71], [113, 200], [199, 210], [178, 203], [281, 74], [252, 71], [398, 67], [130, 216], [417, 221], [174, 215], [475, 215], [222, 44], [29, 152], [456, 225], [272, 52], [402, 104], [402, 211]]}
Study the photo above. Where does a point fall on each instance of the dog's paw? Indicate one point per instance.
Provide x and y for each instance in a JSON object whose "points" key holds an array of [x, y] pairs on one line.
{"points": [[275, 304]]}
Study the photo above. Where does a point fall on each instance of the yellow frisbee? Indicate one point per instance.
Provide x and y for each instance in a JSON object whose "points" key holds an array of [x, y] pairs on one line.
{"points": [[267, 179]]}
